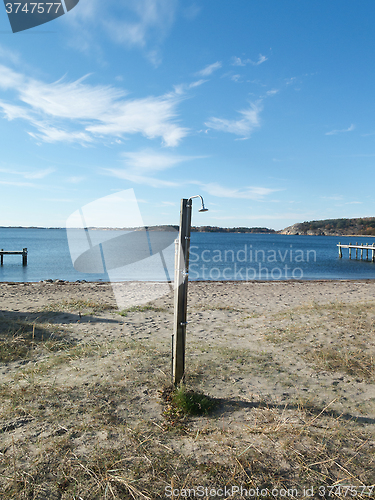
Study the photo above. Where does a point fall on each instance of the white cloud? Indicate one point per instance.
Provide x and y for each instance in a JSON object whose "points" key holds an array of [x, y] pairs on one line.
{"points": [[73, 100], [75, 179], [9, 78], [242, 127], [79, 112], [334, 198], [335, 132], [151, 161], [58, 200], [251, 192], [32, 174], [141, 166], [261, 60], [10, 55], [182, 88], [208, 70], [131, 176], [151, 16], [18, 184], [237, 61], [192, 11], [12, 111], [39, 174], [196, 84], [142, 24]]}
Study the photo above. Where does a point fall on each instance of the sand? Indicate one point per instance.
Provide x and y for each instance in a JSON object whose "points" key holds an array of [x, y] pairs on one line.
{"points": [[254, 346]]}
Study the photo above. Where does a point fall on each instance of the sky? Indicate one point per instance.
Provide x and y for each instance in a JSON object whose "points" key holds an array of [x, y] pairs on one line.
{"points": [[263, 107]]}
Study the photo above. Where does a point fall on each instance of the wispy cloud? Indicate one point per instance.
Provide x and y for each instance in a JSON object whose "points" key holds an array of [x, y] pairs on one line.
{"points": [[335, 132], [182, 88], [58, 200], [29, 174], [75, 179], [18, 184], [251, 192], [332, 198], [134, 177], [242, 127], [192, 11], [237, 61], [208, 70], [142, 24], [39, 174], [142, 166], [79, 112]]}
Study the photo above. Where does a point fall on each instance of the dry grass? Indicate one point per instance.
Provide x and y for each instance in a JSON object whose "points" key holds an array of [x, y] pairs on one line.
{"points": [[83, 306], [21, 339], [146, 307], [278, 448], [87, 422], [336, 337]]}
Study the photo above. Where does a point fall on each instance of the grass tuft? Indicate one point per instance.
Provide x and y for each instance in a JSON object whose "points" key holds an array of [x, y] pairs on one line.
{"points": [[191, 402], [144, 308], [88, 306], [19, 338]]}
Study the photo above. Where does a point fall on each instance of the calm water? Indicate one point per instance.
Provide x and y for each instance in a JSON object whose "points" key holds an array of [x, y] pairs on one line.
{"points": [[214, 256]]}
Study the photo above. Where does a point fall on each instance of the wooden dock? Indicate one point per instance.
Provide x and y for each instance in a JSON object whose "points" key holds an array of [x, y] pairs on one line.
{"points": [[22, 252], [357, 247]]}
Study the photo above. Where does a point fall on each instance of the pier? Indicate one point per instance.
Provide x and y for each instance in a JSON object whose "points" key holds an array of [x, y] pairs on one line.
{"points": [[22, 252], [357, 247]]}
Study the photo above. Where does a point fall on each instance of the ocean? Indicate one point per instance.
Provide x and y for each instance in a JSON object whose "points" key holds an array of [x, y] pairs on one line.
{"points": [[213, 256]]}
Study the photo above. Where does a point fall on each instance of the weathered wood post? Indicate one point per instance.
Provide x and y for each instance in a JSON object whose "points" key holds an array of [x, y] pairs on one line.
{"points": [[340, 251], [350, 251], [373, 253], [2, 257], [356, 250], [180, 294], [367, 251], [362, 252], [24, 256]]}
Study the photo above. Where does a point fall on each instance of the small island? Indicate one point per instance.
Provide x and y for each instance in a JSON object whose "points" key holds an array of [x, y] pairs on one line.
{"points": [[333, 227]]}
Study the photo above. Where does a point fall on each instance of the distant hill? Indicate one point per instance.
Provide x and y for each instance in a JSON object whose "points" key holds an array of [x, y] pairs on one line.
{"points": [[215, 229], [334, 227], [197, 229]]}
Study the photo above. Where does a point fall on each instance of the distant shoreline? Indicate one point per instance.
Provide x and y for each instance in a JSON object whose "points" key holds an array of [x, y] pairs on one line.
{"points": [[197, 229], [171, 227]]}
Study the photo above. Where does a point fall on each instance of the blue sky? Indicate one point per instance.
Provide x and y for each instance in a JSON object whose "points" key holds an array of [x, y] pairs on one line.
{"points": [[265, 108]]}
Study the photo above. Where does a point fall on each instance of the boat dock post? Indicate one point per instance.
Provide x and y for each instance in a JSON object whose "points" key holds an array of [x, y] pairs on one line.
{"points": [[357, 247], [22, 252]]}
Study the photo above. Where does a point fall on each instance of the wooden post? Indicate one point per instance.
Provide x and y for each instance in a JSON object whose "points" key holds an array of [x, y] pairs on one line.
{"points": [[356, 250], [350, 251], [373, 253], [24, 256], [361, 252], [180, 294], [366, 251], [340, 251], [2, 257]]}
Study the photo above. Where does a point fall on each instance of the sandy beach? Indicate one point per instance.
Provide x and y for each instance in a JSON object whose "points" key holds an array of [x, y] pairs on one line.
{"points": [[290, 364]]}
